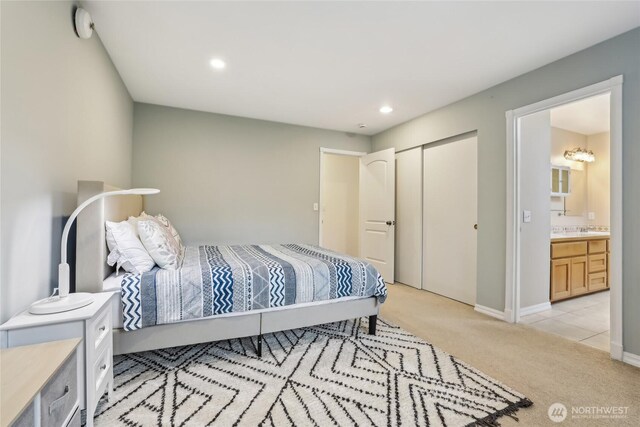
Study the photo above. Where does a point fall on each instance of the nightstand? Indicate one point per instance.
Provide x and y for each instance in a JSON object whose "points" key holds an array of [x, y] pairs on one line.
{"points": [[92, 324]]}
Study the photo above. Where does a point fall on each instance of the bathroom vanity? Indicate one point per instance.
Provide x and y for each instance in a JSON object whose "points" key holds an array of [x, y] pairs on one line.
{"points": [[579, 264]]}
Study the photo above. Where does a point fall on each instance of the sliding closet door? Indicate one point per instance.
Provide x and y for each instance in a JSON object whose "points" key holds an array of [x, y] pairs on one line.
{"points": [[450, 216], [409, 217]]}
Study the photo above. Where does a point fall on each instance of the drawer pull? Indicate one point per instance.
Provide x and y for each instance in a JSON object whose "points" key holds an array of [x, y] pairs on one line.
{"points": [[59, 401], [103, 367]]}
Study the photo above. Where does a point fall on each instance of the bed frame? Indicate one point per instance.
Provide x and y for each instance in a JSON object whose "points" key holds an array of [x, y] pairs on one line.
{"points": [[92, 269]]}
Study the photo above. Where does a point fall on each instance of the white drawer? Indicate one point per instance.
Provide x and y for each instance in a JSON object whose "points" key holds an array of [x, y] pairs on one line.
{"points": [[100, 329], [102, 371]]}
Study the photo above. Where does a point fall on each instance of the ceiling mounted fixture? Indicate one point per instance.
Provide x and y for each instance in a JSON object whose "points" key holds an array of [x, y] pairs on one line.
{"points": [[580, 155], [362, 125], [83, 24], [385, 109], [218, 64]]}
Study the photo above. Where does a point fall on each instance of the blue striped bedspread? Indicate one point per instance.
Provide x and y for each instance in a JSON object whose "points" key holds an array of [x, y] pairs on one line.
{"points": [[224, 279]]}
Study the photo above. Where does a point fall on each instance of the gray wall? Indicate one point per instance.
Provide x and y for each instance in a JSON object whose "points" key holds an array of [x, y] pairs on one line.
{"points": [[66, 115], [485, 112], [535, 131], [232, 180]]}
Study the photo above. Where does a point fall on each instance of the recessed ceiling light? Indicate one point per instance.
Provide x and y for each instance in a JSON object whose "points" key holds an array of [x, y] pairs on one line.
{"points": [[218, 64], [385, 109]]}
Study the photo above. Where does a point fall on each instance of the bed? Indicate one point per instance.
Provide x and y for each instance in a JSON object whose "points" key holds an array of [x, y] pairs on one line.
{"points": [[206, 319]]}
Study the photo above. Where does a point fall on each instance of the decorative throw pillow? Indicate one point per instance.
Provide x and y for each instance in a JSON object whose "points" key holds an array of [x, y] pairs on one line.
{"points": [[165, 221], [126, 250], [160, 244]]}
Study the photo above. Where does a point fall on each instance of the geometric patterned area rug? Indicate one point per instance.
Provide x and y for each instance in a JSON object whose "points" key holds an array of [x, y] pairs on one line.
{"points": [[333, 374]]}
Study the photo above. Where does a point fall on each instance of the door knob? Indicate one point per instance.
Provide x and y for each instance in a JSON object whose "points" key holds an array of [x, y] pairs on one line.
{"points": [[391, 223], [475, 226]]}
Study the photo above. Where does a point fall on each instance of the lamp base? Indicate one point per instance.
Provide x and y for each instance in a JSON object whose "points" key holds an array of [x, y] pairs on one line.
{"points": [[57, 305]]}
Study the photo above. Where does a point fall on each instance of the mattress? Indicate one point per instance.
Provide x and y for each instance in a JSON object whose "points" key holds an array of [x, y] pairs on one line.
{"points": [[113, 284], [214, 280]]}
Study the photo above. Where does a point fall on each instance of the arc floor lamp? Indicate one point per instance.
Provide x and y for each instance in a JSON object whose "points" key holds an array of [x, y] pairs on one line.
{"points": [[65, 301]]}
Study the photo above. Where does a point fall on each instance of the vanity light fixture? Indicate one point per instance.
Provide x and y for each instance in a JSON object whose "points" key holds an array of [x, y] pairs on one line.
{"points": [[386, 109], [217, 64], [580, 155]]}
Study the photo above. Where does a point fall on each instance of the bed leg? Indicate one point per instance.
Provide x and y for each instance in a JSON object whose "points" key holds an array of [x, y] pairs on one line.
{"points": [[259, 345], [372, 324]]}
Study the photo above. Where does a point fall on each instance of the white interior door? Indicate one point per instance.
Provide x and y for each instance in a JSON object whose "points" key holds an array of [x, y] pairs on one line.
{"points": [[408, 261], [450, 216], [377, 210]]}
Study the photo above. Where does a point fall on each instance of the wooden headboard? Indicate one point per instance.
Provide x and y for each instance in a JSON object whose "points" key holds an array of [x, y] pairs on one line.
{"points": [[91, 243]]}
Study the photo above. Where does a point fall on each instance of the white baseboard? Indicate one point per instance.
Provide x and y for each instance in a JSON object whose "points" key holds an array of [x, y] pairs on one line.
{"points": [[616, 351], [631, 359], [508, 316], [537, 308], [489, 311]]}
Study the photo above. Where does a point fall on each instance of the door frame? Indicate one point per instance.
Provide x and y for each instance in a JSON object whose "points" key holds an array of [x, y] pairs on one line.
{"points": [[613, 86], [323, 151]]}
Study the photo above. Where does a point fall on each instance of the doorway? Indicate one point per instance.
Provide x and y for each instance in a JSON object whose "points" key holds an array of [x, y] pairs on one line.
{"points": [[339, 194], [357, 206], [535, 192], [565, 240]]}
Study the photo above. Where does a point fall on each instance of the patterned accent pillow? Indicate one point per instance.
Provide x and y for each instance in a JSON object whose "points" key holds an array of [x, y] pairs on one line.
{"points": [[162, 220], [126, 249], [165, 221], [160, 244]]}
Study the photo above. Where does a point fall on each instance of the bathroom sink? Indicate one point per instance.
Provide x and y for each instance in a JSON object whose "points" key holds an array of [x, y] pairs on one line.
{"points": [[579, 234]]}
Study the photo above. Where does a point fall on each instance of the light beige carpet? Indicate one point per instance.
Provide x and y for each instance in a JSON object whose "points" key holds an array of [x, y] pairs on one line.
{"points": [[544, 367]]}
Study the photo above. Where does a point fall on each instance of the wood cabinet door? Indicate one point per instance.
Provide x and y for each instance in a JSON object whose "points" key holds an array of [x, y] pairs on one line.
{"points": [[560, 279], [578, 279]]}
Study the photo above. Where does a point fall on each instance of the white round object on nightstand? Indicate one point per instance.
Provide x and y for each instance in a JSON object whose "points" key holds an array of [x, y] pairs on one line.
{"points": [[57, 305], [84, 26]]}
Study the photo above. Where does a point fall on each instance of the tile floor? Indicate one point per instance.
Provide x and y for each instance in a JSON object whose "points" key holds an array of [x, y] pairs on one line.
{"points": [[584, 319]]}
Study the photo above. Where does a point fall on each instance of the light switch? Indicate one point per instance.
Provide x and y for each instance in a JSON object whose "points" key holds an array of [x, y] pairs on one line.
{"points": [[526, 216], [592, 216], [315, 206]]}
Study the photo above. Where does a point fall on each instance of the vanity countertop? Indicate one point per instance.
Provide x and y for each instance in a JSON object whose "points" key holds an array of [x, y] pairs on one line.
{"points": [[571, 237]]}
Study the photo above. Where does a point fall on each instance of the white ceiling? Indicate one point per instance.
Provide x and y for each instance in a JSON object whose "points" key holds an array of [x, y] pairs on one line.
{"points": [[333, 64], [587, 117]]}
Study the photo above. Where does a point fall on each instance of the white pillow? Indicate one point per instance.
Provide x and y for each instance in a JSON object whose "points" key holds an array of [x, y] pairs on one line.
{"points": [[133, 220], [160, 244], [126, 249]]}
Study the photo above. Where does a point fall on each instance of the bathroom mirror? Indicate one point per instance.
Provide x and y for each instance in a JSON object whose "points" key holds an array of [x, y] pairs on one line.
{"points": [[575, 203]]}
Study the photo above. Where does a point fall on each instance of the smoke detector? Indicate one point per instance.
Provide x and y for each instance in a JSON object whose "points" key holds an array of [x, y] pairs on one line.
{"points": [[83, 24]]}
